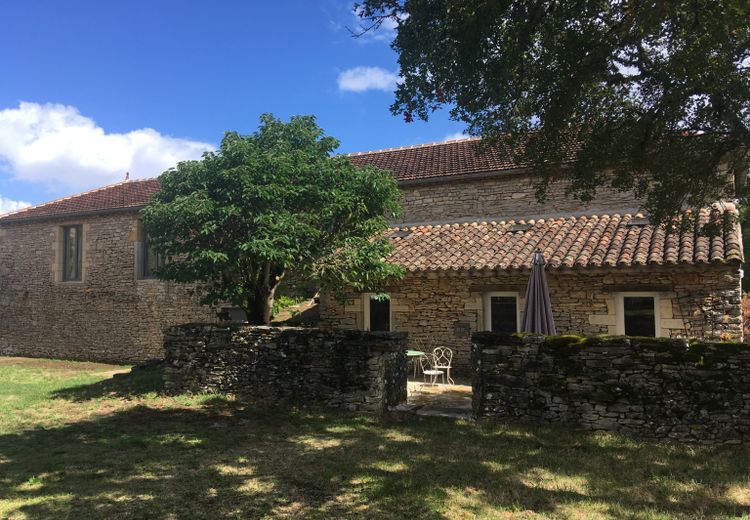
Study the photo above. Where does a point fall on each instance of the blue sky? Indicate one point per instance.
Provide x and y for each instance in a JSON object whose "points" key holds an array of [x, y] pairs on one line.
{"points": [[90, 89]]}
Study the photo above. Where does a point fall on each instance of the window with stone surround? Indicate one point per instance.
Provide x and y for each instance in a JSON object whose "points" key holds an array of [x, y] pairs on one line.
{"points": [[377, 308], [72, 253], [638, 314], [150, 260], [147, 260], [501, 312]]}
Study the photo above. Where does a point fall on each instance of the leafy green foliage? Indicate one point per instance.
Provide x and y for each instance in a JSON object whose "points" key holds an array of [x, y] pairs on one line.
{"points": [[656, 93], [282, 302], [268, 204]]}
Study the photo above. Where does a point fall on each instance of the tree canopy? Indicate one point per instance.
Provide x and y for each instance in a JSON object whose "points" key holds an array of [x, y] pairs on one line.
{"points": [[268, 205], [656, 92]]}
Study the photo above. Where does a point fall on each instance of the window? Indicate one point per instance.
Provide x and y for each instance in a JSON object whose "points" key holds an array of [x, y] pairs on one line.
{"points": [[151, 261], [637, 314], [501, 312], [377, 312], [72, 249]]}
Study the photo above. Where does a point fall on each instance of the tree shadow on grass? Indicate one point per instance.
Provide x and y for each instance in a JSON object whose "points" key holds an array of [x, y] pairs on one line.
{"points": [[140, 381], [229, 459]]}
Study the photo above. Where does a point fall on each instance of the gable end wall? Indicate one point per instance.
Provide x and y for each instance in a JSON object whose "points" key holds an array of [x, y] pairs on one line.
{"points": [[109, 316]]}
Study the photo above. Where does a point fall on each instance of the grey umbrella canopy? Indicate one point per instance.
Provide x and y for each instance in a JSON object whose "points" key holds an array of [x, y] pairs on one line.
{"points": [[537, 310]]}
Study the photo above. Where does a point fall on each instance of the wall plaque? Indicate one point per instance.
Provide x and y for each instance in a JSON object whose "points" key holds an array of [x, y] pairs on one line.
{"points": [[461, 329]]}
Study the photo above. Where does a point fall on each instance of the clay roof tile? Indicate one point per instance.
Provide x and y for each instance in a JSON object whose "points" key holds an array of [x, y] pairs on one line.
{"points": [[587, 241]]}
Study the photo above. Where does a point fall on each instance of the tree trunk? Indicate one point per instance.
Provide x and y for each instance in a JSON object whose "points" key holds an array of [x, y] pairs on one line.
{"points": [[259, 307]]}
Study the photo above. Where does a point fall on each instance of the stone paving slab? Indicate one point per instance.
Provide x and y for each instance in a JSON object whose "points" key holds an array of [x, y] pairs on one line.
{"points": [[451, 401]]}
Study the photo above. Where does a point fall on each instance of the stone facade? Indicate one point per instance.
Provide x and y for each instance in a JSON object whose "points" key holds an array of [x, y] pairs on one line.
{"points": [[362, 371], [650, 387], [504, 194], [444, 309], [40, 315], [110, 315]]}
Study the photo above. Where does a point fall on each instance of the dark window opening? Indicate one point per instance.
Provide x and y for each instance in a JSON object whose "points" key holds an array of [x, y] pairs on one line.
{"points": [[640, 316], [503, 314], [151, 261], [72, 253], [380, 314]]}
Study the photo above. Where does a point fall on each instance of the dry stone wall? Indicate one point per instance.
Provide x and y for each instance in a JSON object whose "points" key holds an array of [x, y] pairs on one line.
{"points": [[659, 388], [110, 315], [362, 371], [443, 309]]}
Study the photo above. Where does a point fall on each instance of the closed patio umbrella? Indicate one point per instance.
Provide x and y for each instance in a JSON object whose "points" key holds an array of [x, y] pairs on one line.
{"points": [[537, 310]]}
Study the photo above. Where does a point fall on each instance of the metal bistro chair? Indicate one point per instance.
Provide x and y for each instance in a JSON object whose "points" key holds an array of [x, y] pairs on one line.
{"points": [[426, 363], [442, 357]]}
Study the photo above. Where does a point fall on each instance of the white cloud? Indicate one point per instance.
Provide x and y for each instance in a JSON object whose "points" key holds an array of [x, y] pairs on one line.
{"points": [[56, 146], [456, 135], [360, 79], [7, 205]]}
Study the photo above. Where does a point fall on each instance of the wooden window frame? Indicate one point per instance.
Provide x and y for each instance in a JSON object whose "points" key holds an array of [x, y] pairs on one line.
{"points": [[79, 253], [143, 260], [487, 300], [620, 310], [366, 297]]}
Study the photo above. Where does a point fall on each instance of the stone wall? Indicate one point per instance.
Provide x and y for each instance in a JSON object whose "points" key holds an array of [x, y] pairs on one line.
{"points": [[445, 308], [502, 194], [352, 370], [650, 387], [110, 315]]}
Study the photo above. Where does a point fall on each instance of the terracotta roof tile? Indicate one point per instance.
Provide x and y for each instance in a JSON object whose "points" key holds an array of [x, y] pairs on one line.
{"points": [[448, 158], [575, 241], [128, 194]]}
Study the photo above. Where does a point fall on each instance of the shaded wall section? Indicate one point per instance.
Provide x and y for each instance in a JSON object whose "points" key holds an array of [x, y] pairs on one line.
{"points": [[662, 388], [353, 370]]}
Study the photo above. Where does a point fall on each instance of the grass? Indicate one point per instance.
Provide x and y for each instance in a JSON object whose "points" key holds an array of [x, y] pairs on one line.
{"points": [[78, 440]]}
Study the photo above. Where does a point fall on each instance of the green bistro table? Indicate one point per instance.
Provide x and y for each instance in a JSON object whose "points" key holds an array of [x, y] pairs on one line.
{"points": [[413, 357]]}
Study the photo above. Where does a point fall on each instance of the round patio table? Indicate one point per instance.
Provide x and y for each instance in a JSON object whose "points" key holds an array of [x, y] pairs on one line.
{"points": [[414, 354]]}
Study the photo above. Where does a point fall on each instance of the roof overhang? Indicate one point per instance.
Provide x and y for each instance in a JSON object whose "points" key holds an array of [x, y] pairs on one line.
{"points": [[6, 221]]}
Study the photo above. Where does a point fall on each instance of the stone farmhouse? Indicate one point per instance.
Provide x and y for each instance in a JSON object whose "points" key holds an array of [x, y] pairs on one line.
{"points": [[471, 224], [76, 274]]}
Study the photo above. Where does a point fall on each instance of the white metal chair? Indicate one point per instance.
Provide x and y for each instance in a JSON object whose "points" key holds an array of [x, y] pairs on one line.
{"points": [[442, 357], [426, 363]]}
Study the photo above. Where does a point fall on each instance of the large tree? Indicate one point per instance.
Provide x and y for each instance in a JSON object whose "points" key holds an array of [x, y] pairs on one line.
{"points": [[656, 91], [269, 204]]}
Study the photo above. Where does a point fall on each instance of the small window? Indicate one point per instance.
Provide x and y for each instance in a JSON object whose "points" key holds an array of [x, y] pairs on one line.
{"points": [[377, 312], [501, 312], [639, 314], [72, 247], [151, 261]]}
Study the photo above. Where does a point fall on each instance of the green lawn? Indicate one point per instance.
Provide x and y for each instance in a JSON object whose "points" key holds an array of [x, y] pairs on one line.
{"points": [[76, 442]]}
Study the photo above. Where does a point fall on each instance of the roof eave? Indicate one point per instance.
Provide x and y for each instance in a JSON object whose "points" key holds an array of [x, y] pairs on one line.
{"points": [[462, 176], [14, 219]]}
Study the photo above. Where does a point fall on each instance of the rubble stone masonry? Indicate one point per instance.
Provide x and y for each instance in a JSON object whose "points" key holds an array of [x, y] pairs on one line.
{"points": [[443, 309], [697, 392], [352, 370], [110, 315], [502, 195]]}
